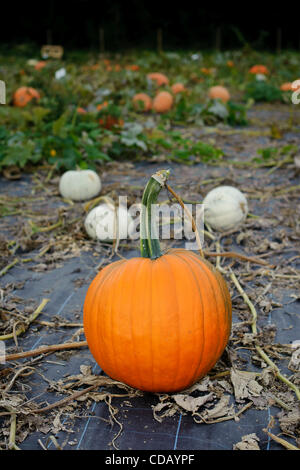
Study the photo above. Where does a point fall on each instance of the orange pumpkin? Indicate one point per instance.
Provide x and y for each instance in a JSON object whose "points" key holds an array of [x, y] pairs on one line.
{"points": [[230, 63], [133, 67], [287, 86], [24, 95], [163, 102], [259, 69], [40, 65], [178, 88], [81, 110], [159, 78], [159, 322], [207, 71], [219, 92], [102, 105], [108, 122], [142, 100]]}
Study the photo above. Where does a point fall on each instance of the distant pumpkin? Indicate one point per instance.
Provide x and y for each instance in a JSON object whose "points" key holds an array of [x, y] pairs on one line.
{"points": [[219, 92], [259, 69], [132, 67], [287, 86], [230, 63], [102, 105], [24, 95], [207, 71], [159, 78], [81, 110], [40, 65], [142, 101], [108, 122], [163, 102], [178, 88]]}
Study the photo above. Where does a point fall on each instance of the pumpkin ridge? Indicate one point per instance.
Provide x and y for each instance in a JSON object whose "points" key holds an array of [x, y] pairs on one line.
{"points": [[98, 329], [175, 296], [133, 283], [199, 262], [224, 290], [227, 302], [93, 292], [151, 328], [197, 366], [217, 354], [114, 285]]}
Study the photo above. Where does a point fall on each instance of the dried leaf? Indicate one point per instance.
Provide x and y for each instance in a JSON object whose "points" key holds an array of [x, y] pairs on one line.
{"points": [[294, 363], [222, 408], [192, 404], [244, 384], [248, 442]]}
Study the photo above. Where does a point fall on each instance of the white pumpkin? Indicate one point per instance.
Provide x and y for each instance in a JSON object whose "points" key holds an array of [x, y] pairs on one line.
{"points": [[260, 77], [225, 208], [79, 185], [104, 222]]}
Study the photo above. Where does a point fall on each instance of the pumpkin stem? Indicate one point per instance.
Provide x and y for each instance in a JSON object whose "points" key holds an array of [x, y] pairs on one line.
{"points": [[149, 244]]}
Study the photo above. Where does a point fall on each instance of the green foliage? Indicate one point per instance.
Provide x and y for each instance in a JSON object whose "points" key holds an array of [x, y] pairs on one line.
{"points": [[262, 91], [52, 131], [237, 114]]}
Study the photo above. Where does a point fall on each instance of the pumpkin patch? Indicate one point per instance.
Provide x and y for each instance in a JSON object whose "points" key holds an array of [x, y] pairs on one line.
{"points": [[149, 232]]}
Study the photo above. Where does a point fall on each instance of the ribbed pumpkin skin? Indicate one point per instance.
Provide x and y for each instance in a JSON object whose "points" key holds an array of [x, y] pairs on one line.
{"points": [[158, 325]]}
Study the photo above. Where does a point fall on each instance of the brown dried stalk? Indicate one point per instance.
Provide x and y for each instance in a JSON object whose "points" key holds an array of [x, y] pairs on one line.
{"points": [[281, 441], [45, 350], [65, 400]]}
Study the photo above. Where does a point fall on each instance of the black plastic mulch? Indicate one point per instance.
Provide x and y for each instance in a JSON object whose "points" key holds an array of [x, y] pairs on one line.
{"points": [[66, 287]]}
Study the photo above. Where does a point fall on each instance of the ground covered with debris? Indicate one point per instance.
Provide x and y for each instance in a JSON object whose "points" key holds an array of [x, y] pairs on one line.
{"points": [[60, 398]]}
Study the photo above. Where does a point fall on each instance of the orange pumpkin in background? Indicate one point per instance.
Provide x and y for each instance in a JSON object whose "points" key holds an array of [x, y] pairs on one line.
{"points": [[94, 67], [178, 88], [81, 110], [159, 78], [158, 322], [259, 69], [207, 71], [219, 92], [163, 102], [133, 67], [142, 101], [287, 86], [108, 122], [24, 95], [102, 105], [40, 65]]}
